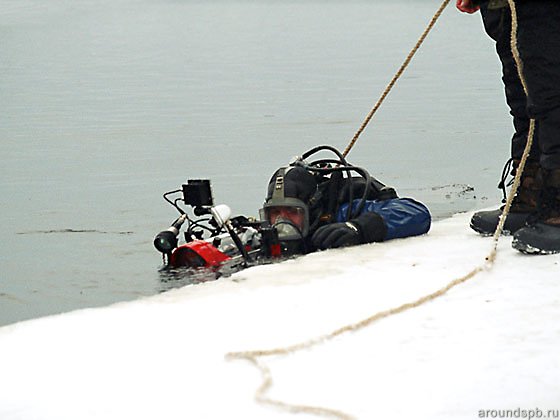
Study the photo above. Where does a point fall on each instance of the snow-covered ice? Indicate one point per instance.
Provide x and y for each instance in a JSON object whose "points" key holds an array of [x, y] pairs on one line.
{"points": [[489, 344]]}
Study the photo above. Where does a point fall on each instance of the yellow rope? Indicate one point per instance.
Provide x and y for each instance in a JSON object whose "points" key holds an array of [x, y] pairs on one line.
{"points": [[253, 356], [517, 180], [396, 77]]}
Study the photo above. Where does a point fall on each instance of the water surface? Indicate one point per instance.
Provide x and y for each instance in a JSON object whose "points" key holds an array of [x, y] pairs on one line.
{"points": [[105, 105]]}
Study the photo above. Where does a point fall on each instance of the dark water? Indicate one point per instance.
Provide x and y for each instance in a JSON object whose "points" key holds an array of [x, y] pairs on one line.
{"points": [[105, 105]]}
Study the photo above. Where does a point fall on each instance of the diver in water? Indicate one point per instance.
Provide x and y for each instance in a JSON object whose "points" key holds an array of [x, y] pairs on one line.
{"points": [[310, 206], [330, 204]]}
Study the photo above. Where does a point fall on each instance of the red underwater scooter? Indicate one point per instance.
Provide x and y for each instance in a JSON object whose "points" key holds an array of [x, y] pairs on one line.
{"points": [[213, 239]]}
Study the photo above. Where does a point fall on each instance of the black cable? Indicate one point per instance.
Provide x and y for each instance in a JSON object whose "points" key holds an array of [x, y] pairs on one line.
{"points": [[198, 223], [174, 204], [324, 147], [348, 169]]}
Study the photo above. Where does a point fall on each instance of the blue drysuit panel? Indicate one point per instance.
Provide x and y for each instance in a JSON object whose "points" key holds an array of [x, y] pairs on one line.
{"points": [[403, 216]]}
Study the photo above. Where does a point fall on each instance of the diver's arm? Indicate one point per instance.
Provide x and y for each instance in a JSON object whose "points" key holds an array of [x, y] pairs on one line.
{"points": [[403, 217], [366, 228]]}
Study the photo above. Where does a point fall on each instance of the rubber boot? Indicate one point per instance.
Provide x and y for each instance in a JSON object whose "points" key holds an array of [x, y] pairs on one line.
{"points": [[524, 203], [542, 236]]}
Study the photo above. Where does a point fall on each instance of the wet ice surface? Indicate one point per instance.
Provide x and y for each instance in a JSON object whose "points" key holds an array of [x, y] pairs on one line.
{"points": [[106, 105]]}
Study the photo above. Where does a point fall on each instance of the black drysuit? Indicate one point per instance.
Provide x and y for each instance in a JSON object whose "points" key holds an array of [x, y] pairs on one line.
{"points": [[539, 48]]}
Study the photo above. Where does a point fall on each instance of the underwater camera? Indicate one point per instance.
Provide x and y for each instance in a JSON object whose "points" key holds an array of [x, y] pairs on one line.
{"points": [[197, 193], [213, 238]]}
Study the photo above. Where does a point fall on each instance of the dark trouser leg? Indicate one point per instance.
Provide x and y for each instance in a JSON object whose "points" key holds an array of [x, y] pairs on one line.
{"points": [[539, 47], [497, 24]]}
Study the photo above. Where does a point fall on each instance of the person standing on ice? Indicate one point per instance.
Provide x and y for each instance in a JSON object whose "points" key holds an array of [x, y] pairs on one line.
{"points": [[309, 205], [534, 219]]}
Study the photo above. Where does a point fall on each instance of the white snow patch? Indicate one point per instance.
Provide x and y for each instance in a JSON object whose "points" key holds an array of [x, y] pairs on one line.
{"points": [[491, 343]]}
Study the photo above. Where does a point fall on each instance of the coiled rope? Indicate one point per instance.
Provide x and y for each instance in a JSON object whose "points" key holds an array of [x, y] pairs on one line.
{"points": [[255, 356]]}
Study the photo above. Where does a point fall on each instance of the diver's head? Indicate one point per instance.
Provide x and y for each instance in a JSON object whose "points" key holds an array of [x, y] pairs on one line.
{"points": [[287, 205]]}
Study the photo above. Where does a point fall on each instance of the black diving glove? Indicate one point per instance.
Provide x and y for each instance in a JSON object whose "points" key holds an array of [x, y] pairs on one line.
{"points": [[336, 235], [366, 228]]}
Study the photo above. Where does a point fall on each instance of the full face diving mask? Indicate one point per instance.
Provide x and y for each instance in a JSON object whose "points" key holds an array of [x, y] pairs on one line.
{"points": [[289, 215]]}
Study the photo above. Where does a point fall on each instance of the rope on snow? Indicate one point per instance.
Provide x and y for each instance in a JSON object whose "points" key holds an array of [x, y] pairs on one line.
{"points": [[254, 356]]}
